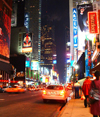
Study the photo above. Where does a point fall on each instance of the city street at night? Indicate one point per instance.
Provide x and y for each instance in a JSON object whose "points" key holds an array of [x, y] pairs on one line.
{"points": [[28, 104]]}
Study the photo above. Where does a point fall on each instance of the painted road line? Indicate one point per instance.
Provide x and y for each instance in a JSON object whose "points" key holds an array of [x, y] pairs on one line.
{"points": [[2, 99]]}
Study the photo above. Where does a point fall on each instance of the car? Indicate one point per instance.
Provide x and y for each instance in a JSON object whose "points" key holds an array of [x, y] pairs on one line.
{"points": [[55, 92], [31, 88], [16, 89], [5, 87], [1, 90]]}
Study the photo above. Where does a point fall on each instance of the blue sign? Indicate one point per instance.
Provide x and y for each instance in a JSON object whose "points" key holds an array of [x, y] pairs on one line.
{"points": [[27, 64], [54, 61], [26, 21], [75, 33]]}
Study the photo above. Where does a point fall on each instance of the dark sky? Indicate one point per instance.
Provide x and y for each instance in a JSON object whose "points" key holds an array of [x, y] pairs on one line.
{"points": [[57, 12]]}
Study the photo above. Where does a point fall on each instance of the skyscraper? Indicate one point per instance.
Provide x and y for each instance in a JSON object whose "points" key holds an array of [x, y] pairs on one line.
{"points": [[26, 30]]}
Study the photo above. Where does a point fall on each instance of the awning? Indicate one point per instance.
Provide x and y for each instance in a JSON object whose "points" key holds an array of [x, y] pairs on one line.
{"points": [[97, 67]]}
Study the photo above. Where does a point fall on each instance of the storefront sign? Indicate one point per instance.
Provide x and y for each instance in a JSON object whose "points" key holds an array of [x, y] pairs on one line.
{"points": [[75, 37], [93, 22]]}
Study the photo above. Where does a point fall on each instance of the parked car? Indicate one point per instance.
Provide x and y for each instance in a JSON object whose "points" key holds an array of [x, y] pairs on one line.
{"points": [[16, 89], [1, 90], [55, 92]]}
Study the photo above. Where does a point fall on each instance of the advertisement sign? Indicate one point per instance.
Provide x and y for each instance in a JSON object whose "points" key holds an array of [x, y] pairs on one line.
{"points": [[5, 30], [83, 29], [27, 43], [26, 21], [34, 65], [93, 22], [75, 36], [14, 15], [27, 63], [99, 20]]}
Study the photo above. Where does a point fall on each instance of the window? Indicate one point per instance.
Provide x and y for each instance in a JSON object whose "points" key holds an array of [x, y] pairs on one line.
{"points": [[55, 87]]}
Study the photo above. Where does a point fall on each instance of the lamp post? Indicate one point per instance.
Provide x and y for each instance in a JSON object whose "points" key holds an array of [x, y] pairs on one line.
{"points": [[76, 68]]}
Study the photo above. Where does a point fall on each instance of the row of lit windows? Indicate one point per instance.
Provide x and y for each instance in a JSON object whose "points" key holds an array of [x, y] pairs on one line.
{"points": [[47, 52]]}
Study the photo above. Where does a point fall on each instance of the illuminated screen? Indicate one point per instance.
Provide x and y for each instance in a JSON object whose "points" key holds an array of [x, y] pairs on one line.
{"points": [[26, 20], [34, 65], [83, 29], [54, 61], [27, 43], [5, 28], [27, 64], [14, 15]]}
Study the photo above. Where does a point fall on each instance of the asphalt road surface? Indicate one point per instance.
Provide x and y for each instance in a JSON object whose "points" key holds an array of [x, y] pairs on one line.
{"points": [[28, 104]]}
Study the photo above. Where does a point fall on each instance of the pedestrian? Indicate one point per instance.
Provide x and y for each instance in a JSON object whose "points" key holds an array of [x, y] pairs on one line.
{"points": [[86, 88], [95, 108], [77, 87]]}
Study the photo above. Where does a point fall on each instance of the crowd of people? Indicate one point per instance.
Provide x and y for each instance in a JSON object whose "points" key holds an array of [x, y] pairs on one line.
{"points": [[86, 87]]}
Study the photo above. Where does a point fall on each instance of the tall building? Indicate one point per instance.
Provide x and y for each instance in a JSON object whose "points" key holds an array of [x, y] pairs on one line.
{"points": [[33, 9], [5, 31], [26, 34], [48, 53], [78, 35], [48, 45]]}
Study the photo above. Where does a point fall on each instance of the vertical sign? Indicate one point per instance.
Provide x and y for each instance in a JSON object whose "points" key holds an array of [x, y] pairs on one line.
{"points": [[93, 22], [75, 37], [99, 20], [26, 21]]}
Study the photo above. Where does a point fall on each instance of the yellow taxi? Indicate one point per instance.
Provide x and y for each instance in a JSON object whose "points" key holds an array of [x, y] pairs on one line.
{"points": [[16, 89]]}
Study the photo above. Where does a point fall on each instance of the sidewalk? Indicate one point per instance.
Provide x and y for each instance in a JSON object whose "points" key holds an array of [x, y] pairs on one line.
{"points": [[75, 108]]}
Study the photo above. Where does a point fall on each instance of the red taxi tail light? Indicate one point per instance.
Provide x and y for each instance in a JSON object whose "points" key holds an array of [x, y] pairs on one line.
{"points": [[44, 92], [62, 92]]}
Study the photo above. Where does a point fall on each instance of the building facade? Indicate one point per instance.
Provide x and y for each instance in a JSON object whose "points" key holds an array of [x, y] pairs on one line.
{"points": [[5, 31], [26, 34]]}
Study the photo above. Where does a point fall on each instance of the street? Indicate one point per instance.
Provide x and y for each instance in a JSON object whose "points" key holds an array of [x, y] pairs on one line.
{"points": [[28, 104]]}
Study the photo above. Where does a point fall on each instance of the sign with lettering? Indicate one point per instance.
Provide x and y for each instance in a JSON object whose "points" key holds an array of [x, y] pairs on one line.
{"points": [[93, 22], [75, 33]]}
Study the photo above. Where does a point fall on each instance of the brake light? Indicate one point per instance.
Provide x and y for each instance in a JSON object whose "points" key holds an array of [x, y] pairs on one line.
{"points": [[62, 92], [44, 91]]}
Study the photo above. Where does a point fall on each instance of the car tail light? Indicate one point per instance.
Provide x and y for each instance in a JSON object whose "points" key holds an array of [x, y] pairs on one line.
{"points": [[44, 91], [62, 92]]}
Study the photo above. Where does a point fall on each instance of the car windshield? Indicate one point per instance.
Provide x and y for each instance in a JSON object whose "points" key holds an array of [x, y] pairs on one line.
{"points": [[55, 87], [14, 86], [4, 86]]}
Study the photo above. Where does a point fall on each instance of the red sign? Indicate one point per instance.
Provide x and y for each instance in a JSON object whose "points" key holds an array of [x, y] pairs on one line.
{"points": [[99, 19], [8, 81], [93, 22]]}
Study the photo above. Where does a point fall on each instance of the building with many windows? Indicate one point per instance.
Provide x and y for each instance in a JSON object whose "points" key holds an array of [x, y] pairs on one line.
{"points": [[5, 31], [48, 53], [26, 34]]}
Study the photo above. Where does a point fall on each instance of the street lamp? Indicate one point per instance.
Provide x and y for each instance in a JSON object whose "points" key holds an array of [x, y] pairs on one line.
{"points": [[76, 68]]}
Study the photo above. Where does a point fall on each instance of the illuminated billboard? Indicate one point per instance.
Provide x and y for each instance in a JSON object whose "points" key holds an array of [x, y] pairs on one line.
{"points": [[83, 29], [14, 15], [5, 30], [27, 43], [26, 20], [93, 22], [75, 34], [27, 63], [34, 65]]}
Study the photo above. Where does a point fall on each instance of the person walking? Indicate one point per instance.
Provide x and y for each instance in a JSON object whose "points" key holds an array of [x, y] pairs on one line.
{"points": [[95, 108], [77, 88], [86, 89]]}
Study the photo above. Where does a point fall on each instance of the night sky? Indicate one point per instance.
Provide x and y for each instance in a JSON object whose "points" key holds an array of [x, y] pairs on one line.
{"points": [[57, 12]]}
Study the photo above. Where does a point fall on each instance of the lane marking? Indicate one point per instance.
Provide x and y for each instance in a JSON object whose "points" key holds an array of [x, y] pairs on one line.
{"points": [[2, 99]]}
